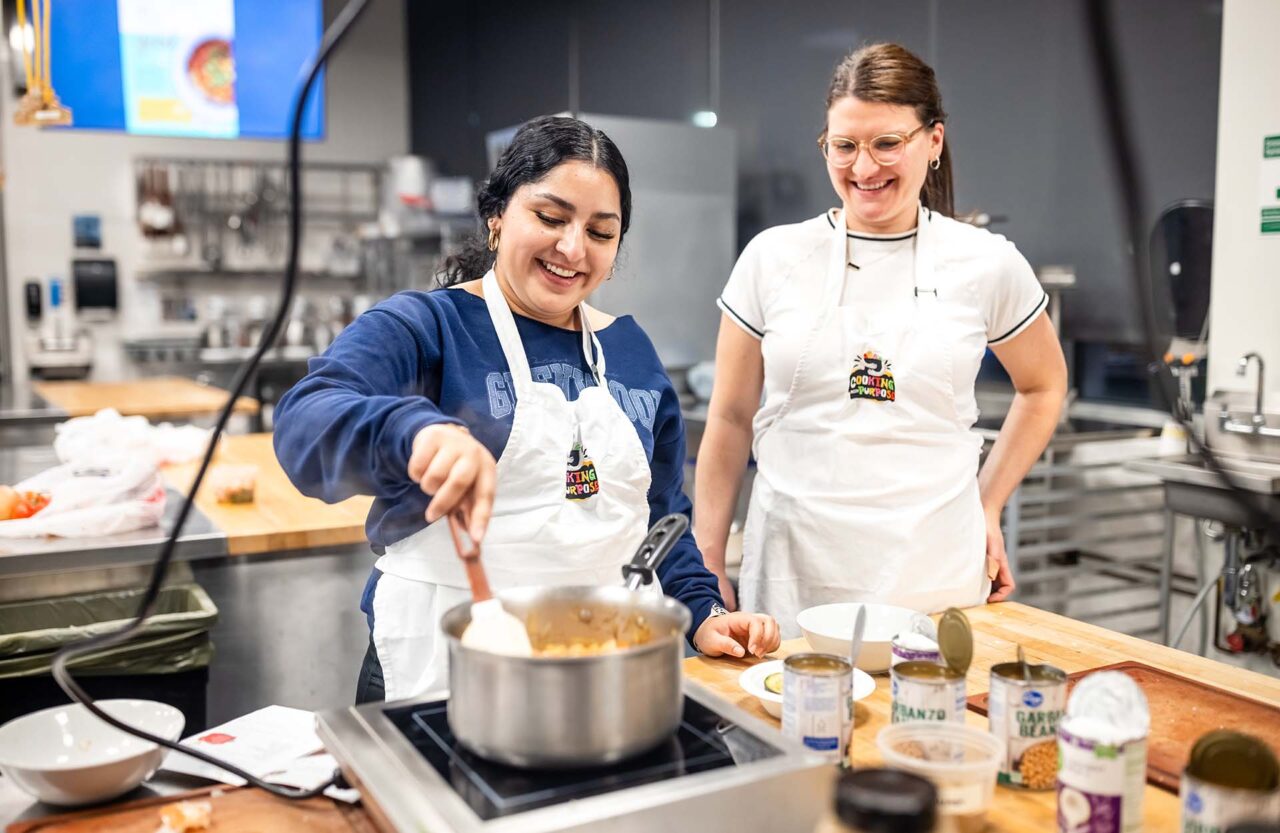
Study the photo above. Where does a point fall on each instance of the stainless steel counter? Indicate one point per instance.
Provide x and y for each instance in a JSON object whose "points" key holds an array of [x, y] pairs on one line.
{"points": [[21, 406]]}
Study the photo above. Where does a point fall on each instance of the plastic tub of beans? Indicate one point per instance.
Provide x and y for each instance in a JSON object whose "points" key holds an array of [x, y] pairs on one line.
{"points": [[960, 760]]}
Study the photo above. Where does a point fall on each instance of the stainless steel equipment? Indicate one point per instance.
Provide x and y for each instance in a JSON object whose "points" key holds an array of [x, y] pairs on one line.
{"points": [[1245, 438], [575, 710], [723, 768]]}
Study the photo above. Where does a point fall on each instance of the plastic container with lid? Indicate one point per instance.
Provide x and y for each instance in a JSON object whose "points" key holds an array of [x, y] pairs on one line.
{"points": [[960, 760], [882, 801]]}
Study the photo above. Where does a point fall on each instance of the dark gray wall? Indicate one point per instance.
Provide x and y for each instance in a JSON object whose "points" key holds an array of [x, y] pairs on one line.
{"points": [[1024, 128]]}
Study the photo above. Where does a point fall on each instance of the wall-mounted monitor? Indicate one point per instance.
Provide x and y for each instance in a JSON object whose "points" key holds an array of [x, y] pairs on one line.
{"points": [[199, 68]]}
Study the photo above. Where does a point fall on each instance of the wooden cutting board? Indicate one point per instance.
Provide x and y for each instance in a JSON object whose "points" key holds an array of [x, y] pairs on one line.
{"points": [[235, 810], [1182, 710]]}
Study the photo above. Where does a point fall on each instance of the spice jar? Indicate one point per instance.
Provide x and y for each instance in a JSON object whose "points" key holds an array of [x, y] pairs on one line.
{"points": [[882, 801]]}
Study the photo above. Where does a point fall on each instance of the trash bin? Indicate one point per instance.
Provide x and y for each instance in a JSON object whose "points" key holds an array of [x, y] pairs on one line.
{"points": [[168, 660]]}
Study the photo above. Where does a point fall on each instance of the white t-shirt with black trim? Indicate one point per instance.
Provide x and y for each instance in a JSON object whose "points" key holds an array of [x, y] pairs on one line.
{"points": [[773, 295]]}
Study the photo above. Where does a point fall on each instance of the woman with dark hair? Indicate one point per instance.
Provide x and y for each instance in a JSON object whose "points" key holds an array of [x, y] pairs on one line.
{"points": [[864, 328], [491, 398]]}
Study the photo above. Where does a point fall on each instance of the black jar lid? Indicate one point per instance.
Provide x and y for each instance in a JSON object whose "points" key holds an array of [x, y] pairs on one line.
{"points": [[886, 801]]}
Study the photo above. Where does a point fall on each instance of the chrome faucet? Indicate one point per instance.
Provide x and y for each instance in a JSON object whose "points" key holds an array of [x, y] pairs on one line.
{"points": [[1242, 367]]}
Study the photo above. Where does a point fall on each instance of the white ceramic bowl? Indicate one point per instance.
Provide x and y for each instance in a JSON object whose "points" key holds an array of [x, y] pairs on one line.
{"points": [[828, 628], [65, 755], [752, 682]]}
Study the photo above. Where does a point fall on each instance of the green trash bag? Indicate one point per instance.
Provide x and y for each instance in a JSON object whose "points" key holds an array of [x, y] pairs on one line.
{"points": [[175, 638]]}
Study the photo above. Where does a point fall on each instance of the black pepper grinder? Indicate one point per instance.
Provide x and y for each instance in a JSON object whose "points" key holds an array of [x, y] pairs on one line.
{"points": [[882, 801]]}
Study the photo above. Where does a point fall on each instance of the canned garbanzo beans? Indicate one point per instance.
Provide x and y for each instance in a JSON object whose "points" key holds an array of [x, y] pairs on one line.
{"points": [[1230, 778], [926, 691], [817, 702], [1026, 703]]}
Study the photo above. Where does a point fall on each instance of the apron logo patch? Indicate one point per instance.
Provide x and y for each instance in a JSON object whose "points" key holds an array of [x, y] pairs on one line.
{"points": [[872, 378], [580, 480]]}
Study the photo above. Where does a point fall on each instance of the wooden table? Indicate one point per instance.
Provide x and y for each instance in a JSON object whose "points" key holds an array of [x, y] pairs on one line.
{"points": [[280, 517], [997, 629], [153, 398]]}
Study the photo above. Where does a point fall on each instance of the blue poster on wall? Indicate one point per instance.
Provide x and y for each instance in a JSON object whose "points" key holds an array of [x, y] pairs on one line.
{"points": [[200, 68]]}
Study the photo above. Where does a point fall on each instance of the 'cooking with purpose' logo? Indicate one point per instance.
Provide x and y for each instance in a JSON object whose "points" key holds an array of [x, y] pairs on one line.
{"points": [[580, 480], [872, 378]]}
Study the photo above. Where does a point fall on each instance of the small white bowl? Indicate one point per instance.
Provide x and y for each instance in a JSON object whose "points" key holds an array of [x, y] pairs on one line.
{"points": [[752, 682], [829, 628], [65, 755]]}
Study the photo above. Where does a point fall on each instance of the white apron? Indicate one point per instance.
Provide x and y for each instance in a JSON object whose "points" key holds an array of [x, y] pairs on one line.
{"points": [[537, 534], [866, 487]]}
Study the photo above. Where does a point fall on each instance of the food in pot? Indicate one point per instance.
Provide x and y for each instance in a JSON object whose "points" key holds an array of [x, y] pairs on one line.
{"points": [[773, 683], [579, 649], [15, 505]]}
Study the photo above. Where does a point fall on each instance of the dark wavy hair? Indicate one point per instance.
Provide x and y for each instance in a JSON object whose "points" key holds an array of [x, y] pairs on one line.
{"points": [[891, 74], [538, 146]]}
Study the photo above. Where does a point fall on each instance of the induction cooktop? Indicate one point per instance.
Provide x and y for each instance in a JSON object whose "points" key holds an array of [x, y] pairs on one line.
{"points": [[723, 768], [493, 790]]}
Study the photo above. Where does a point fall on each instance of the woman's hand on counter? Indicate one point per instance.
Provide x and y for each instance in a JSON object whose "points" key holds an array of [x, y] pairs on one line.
{"points": [[998, 570], [458, 472], [737, 634]]}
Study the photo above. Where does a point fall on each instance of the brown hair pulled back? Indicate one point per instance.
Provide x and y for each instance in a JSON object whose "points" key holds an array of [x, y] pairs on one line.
{"points": [[888, 73]]}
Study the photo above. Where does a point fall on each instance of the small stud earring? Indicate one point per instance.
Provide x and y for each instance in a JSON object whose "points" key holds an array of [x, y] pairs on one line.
{"points": [[936, 163]]}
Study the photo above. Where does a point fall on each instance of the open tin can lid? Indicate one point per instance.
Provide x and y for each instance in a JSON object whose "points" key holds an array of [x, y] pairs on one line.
{"points": [[955, 640], [1235, 760]]}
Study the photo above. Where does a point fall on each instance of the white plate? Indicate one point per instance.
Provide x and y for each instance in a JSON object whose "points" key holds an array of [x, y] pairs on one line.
{"points": [[752, 682]]}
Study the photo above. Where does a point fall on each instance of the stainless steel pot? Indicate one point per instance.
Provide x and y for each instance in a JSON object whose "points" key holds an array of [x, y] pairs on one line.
{"points": [[575, 711]]}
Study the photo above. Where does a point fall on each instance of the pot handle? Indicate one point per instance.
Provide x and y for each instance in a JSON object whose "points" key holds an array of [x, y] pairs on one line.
{"points": [[653, 549]]}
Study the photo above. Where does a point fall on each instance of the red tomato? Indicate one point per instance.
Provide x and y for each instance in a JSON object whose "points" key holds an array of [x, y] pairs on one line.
{"points": [[28, 504]]}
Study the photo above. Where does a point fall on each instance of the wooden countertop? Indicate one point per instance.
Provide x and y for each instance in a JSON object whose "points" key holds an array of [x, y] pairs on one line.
{"points": [[154, 398], [280, 517], [1046, 637]]}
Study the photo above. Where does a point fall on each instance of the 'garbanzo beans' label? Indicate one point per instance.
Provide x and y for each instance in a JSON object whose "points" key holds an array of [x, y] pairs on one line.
{"points": [[1024, 715], [924, 698]]}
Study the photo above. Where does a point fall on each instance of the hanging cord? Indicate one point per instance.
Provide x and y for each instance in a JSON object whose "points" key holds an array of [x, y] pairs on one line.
{"points": [[332, 37], [1100, 28]]}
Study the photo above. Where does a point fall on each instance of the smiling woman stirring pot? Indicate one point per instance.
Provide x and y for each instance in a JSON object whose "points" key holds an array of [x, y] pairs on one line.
{"points": [[493, 397], [865, 328]]}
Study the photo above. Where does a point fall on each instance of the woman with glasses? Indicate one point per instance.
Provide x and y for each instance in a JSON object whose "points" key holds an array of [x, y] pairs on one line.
{"points": [[864, 328]]}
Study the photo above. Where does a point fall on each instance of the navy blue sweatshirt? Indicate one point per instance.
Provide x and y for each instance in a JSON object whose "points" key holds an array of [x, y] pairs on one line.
{"points": [[424, 358]]}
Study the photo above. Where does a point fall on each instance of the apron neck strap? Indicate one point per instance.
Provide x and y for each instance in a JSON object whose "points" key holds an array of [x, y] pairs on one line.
{"points": [[925, 282], [504, 323]]}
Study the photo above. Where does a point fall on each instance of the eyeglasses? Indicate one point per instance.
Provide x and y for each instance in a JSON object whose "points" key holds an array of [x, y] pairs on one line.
{"points": [[886, 149]]}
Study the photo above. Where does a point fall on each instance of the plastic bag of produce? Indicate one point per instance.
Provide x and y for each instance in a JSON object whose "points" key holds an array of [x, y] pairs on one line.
{"points": [[91, 500]]}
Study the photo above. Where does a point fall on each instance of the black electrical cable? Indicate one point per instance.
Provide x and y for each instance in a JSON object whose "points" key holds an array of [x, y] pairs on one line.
{"points": [[1100, 30], [328, 43]]}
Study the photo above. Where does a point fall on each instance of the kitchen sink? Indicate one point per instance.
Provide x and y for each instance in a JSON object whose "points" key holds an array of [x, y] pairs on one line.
{"points": [[1192, 489], [1253, 475]]}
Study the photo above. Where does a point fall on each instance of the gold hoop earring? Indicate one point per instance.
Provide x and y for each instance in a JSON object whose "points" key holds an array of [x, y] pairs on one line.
{"points": [[493, 240], [936, 163]]}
